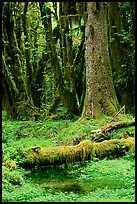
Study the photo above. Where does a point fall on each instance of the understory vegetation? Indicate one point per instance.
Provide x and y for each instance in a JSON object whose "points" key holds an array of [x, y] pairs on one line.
{"points": [[101, 179]]}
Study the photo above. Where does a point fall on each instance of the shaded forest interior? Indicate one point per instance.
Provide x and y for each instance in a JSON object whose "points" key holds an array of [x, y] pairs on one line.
{"points": [[45, 55]]}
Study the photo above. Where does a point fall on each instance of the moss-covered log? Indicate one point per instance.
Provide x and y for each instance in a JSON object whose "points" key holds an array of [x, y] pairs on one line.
{"points": [[40, 156], [113, 147], [86, 150]]}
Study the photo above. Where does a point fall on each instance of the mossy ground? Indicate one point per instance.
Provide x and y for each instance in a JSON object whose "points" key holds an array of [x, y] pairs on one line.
{"points": [[97, 180]]}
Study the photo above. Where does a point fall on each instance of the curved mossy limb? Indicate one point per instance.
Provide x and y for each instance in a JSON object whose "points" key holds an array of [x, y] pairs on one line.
{"points": [[116, 125]]}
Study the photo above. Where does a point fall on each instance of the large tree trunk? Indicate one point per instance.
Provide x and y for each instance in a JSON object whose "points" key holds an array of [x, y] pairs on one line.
{"points": [[100, 94]]}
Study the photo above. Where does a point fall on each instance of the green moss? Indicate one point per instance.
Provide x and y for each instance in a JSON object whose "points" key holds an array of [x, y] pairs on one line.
{"points": [[11, 164], [112, 147], [40, 156], [12, 177]]}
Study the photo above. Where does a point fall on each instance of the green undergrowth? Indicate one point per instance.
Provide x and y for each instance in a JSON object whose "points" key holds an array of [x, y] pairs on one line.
{"points": [[97, 180]]}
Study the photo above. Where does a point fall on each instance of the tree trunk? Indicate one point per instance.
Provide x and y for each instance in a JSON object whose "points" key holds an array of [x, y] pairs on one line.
{"points": [[122, 54], [69, 75], [14, 87], [100, 94], [29, 67], [115, 26], [13, 49], [65, 90]]}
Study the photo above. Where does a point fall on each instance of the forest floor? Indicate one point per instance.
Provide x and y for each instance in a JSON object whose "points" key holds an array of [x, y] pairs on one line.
{"points": [[110, 179]]}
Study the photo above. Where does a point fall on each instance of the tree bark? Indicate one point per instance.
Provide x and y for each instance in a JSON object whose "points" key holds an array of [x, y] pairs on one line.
{"points": [[29, 67], [100, 94]]}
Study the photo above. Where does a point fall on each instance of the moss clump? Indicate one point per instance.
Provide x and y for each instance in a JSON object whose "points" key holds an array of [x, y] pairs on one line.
{"points": [[11, 164], [11, 177]]}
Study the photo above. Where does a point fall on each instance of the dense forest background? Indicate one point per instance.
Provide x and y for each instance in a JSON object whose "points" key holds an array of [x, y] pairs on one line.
{"points": [[44, 55]]}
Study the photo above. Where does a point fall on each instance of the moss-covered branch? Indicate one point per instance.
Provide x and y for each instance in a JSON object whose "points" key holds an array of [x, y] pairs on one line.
{"points": [[101, 134], [116, 125]]}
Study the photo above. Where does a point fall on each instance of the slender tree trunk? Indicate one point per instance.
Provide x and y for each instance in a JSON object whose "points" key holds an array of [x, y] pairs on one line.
{"points": [[9, 90], [100, 94], [29, 68], [69, 74], [14, 51]]}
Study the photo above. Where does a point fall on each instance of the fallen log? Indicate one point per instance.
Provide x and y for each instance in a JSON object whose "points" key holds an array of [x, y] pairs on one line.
{"points": [[85, 150], [40, 156], [116, 125], [101, 134]]}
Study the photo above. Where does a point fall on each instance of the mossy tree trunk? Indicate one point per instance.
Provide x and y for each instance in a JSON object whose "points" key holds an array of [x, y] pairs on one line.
{"points": [[114, 26], [9, 89], [64, 83], [12, 83], [100, 94], [29, 67], [66, 46], [58, 84], [34, 64], [18, 22], [122, 53]]}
